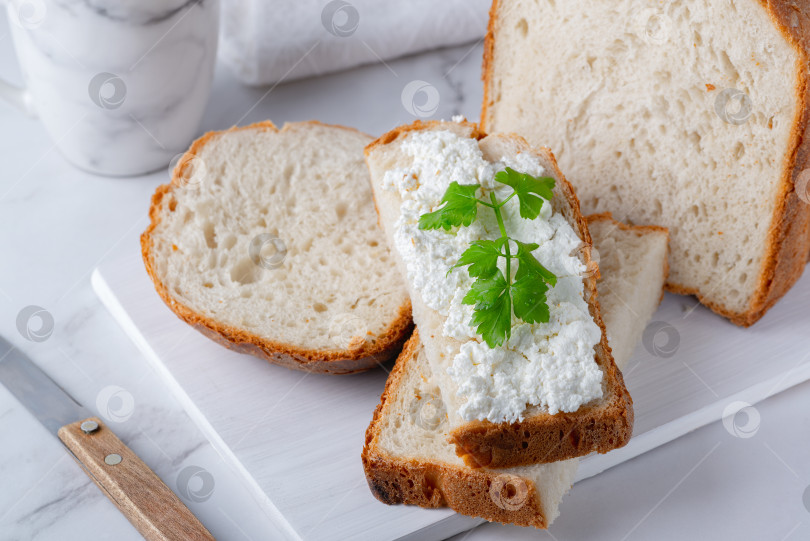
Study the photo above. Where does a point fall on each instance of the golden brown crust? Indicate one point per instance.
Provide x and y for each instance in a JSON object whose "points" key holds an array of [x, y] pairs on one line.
{"points": [[788, 248], [366, 356], [546, 438], [487, 63], [433, 484], [608, 217]]}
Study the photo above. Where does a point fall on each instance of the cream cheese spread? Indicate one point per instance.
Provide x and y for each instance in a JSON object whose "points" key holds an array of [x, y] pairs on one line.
{"points": [[543, 364]]}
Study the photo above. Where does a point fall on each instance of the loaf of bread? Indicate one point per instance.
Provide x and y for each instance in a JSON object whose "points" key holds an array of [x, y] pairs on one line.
{"points": [[540, 435], [267, 242], [407, 458], [691, 115]]}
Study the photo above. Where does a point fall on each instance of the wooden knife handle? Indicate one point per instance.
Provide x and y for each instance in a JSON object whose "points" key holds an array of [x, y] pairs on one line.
{"points": [[155, 511]]}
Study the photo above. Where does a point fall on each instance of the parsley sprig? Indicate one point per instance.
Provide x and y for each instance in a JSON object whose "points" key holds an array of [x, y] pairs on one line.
{"points": [[496, 294]]}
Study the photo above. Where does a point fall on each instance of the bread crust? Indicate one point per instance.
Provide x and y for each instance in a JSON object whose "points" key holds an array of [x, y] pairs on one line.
{"points": [[433, 484], [608, 217], [546, 438], [788, 245], [487, 62], [348, 361]]}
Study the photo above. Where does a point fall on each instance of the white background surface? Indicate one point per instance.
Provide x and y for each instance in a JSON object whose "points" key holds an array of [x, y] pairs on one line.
{"points": [[57, 224]]}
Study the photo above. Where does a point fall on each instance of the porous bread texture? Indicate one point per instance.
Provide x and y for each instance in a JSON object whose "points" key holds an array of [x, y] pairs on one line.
{"points": [[406, 456], [691, 115], [267, 241], [632, 264], [408, 460], [601, 425]]}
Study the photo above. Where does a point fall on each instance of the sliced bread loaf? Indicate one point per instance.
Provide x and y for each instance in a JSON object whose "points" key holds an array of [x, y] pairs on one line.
{"points": [[691, 115], [407, 458], [411, 166], [267, 242]]}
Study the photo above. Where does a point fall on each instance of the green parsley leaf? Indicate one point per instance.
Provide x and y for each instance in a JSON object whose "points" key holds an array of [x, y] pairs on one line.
{"points": [[492, 317], [494, 294], [482, 257], [529, 266], [486, 290], [459, 207], [530, 191], [529, 299]]}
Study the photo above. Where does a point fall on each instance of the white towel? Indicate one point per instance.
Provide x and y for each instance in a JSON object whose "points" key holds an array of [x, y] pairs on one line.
{"points": [[266, 41]]}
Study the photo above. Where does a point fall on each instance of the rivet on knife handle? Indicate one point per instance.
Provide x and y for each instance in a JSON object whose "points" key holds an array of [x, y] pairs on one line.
{"points": [[155, 511]]}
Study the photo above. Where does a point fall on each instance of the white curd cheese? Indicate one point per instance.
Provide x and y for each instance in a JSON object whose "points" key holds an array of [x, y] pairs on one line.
{"points": [[543, 364]]}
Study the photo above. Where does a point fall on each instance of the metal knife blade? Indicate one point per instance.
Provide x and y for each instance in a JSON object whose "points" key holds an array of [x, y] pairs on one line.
{"points": [[151, 506], [40, 395]]}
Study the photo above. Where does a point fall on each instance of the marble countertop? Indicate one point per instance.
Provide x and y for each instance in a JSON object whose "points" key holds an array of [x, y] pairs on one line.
{"points": [[57, 224]]}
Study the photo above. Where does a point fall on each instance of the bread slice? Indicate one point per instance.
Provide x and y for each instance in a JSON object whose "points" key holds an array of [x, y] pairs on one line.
{"points": [[266, 241], [600, 425], [407, 459], [692, 115], [632, 265], [406, 456]]}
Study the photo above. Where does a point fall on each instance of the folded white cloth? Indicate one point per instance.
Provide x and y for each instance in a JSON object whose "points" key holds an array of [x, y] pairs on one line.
{"points": [[265, 41]]}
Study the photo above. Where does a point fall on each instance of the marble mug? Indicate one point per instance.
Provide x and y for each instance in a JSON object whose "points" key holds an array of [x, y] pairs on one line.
{"points": [[120, 85]]}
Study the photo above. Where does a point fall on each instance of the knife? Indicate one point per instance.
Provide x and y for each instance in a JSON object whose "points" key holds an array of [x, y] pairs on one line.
{"points": [[155, 511]]}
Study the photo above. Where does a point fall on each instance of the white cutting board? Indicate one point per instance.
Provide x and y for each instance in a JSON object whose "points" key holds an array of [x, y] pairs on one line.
{"points": [[296, 438]]}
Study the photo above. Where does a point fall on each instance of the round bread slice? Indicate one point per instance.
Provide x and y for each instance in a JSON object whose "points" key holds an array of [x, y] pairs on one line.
{"points": [[267, 241]]}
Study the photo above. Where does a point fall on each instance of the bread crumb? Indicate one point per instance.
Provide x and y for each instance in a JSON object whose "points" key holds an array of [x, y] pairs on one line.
{"points": [[710, 87], [174, 247]]}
